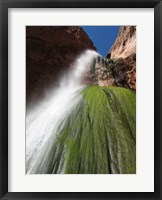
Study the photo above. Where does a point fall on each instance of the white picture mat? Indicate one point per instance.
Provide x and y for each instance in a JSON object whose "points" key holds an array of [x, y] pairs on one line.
{"points": [[143, 180]]}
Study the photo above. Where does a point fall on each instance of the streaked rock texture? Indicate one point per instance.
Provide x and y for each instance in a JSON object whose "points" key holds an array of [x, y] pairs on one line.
{"points": [[125, 44], [49, 52], [124, 51]]}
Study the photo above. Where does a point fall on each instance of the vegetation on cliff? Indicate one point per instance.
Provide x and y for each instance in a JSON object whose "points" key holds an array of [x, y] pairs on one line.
{"points": [[99, 136]]}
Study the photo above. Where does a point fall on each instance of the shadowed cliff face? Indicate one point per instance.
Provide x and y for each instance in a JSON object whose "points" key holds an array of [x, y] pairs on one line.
{"points": [[49, 52]]}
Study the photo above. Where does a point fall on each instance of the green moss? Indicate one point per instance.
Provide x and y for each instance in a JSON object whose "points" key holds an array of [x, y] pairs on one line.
{"points": [[99, 136]]}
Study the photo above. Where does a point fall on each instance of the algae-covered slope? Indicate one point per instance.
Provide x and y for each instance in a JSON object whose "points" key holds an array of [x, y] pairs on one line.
{"points": [[99, 136]]}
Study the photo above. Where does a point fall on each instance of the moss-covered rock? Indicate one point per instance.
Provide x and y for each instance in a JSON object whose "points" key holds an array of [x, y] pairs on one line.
{"points": [[99, 136]]}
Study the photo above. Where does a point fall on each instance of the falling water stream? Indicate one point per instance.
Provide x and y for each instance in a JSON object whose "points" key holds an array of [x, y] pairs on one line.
{"points": [[44, 122]]}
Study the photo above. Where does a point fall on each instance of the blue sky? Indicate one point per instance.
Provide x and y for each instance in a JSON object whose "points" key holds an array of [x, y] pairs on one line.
{"points": [[102, 37]]}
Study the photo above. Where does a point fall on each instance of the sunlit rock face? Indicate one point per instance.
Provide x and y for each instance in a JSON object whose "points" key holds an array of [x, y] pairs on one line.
{"points": [[49, 52], [125, 44], [125, 48]]}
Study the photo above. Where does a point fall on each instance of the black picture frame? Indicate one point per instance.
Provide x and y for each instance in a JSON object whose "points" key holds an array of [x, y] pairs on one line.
{"points": [[4, 5]]}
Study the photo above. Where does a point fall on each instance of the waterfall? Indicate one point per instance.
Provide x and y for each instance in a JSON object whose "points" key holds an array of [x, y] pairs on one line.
{"points": [[44, 122]]}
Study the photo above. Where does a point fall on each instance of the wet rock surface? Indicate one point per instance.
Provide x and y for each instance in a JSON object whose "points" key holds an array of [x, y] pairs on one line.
{"points": [[97, 137], [110, 72]]}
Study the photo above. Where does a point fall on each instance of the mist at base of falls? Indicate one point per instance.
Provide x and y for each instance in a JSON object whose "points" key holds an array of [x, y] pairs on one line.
{"points": [[44, 122]]}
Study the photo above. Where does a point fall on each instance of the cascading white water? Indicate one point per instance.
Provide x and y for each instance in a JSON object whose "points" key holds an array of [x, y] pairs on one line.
{"points": [[45, 121]]}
